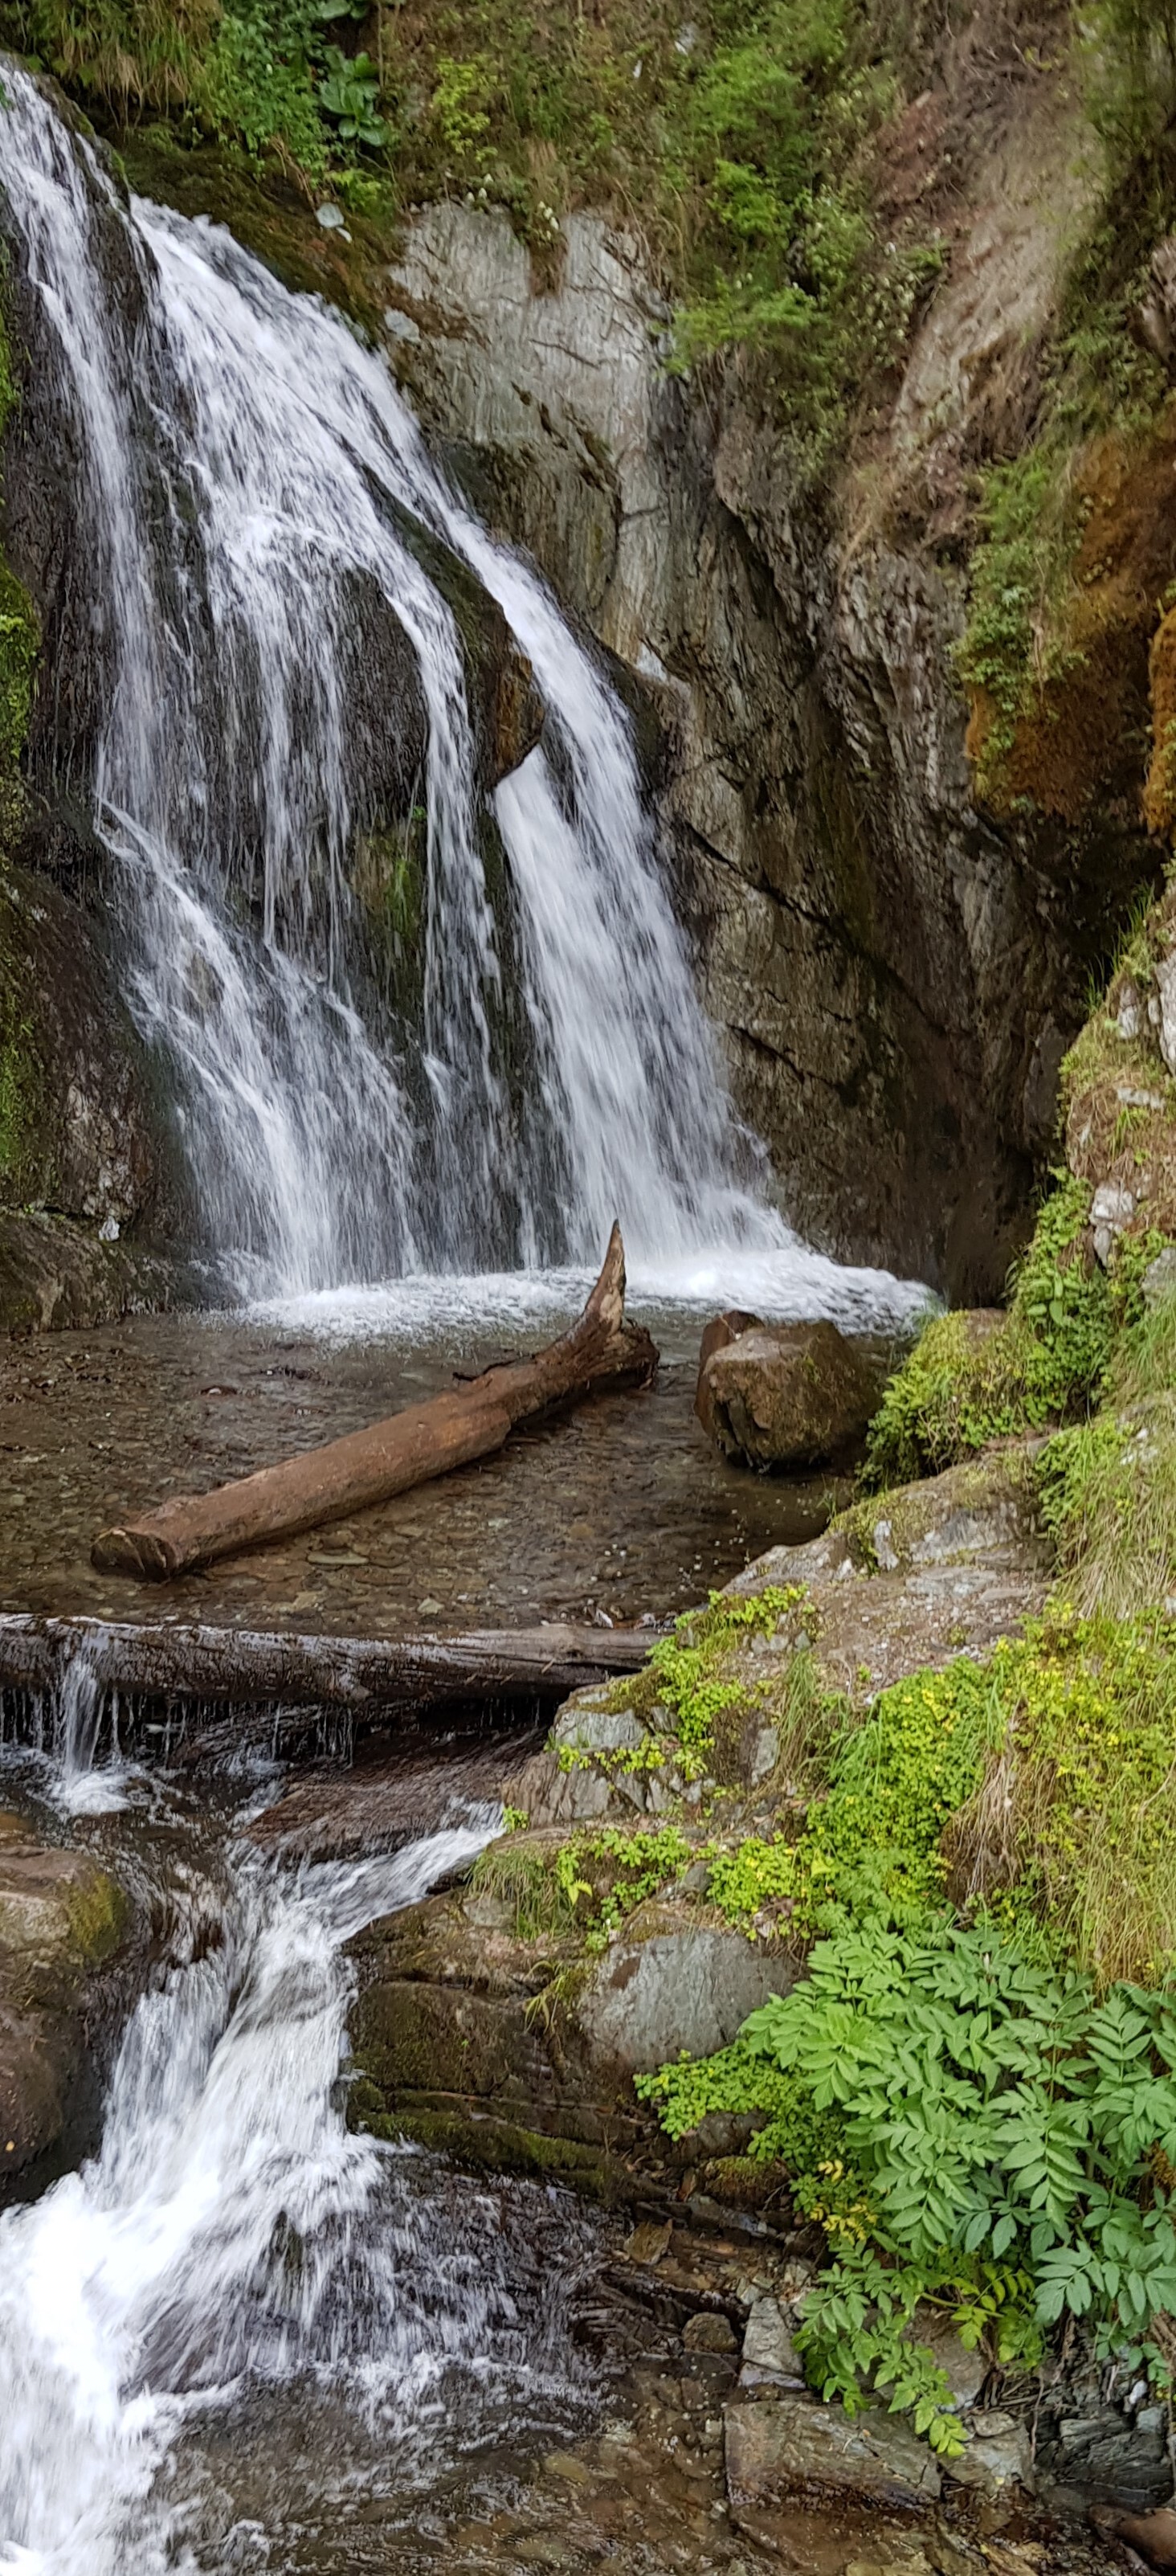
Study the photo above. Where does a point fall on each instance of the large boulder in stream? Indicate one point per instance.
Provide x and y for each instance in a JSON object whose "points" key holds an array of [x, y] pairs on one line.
{"points": [[61, 1921], [785, 1395]]}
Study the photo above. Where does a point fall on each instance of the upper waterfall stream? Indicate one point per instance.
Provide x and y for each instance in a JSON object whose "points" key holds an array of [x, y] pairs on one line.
{"points": [[253, 510], [248, 482]]}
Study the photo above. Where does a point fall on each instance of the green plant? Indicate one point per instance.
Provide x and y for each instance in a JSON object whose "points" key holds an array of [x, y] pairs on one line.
{"points": [[459, 110], [348, 93], [584, 1886], [990, 2142], [687, 1673], [962, 1387], [623, 1870]]}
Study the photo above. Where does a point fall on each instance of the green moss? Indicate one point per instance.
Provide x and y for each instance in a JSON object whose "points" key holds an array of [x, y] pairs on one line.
{"points": [[1030, 530], [493, 2145], [97, 1909], [969, 1381]]}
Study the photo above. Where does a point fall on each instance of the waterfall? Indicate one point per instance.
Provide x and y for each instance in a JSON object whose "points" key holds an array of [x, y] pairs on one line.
{"points": [[247, 489], [233, 2240]]}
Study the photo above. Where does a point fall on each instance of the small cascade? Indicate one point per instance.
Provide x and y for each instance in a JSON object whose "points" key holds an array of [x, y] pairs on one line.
{"points": [[234, 2244], [247, 486]]}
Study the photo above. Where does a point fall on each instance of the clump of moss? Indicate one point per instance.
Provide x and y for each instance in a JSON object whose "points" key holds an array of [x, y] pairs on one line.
{"points": [[975, 1378], [583, 1886]]}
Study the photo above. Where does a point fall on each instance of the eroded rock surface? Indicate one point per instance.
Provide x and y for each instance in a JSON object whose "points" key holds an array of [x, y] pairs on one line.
{"points": [[895, 974], [510, 2046]]}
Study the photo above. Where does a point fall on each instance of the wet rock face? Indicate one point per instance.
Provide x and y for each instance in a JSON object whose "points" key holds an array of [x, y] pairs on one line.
{"points": [[88, 1165], [61, 1918], [81, 1133], [894, 977], [794, 1395]]}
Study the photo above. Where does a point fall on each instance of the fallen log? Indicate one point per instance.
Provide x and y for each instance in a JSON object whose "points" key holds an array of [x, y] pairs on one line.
{"points": [[372, 1677], [410, 1448]]}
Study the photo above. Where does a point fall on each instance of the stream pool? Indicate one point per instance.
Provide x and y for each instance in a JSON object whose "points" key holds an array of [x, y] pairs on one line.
{"points": [[620, 1508]]}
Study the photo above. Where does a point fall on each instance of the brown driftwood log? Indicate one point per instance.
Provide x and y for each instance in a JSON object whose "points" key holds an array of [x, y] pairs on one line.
{"points": [[369, 1676], [410, 1448]]}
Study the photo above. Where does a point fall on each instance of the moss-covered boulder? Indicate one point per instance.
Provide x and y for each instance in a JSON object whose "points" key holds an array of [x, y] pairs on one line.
{"points": [[62, 1919], [486, 2022], [787, 1395]]}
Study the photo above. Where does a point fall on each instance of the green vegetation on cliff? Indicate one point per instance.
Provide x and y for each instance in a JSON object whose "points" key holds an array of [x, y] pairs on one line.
{"points": [[739, 142], [973, 2088]]}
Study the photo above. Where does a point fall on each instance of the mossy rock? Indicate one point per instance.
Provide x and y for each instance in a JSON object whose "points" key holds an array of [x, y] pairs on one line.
{"points": [[796, 1395]]}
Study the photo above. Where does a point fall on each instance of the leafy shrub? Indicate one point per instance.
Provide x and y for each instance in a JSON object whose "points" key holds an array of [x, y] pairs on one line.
{"points": [[980, 2110], [985, 2133]]}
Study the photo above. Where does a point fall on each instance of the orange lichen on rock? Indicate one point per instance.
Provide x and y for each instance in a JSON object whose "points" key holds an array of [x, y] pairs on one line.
{"points": [[1082, 735], [1159, 795]]}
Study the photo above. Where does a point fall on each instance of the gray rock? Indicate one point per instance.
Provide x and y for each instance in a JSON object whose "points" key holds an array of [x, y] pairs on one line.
{"points": [[61, 1917], [1159, 1279], [998, 2456], [587, 1728], [964, 2371], [1166, 988], [546, 1794], [776, 2444], [708, 2332], [768, 2344], [658, 1991]]}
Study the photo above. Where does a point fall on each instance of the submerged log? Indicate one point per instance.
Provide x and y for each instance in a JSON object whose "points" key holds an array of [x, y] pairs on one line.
{"points": [[410, 1448], [368, 1676]]}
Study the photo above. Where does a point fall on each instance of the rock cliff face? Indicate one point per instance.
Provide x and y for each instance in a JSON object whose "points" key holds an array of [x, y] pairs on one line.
{"points": [[895, 974]]}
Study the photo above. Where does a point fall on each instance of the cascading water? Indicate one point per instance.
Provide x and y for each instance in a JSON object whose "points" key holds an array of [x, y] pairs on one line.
{"points": [[248, 482], [233, 2244]]}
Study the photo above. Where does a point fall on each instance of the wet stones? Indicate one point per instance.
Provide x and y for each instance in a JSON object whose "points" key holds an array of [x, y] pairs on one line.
{"points": [[787, 1395]]}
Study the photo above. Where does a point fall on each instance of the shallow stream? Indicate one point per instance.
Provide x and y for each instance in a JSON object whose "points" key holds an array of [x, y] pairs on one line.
{"points": [[621, 1508], [242, 2338]]}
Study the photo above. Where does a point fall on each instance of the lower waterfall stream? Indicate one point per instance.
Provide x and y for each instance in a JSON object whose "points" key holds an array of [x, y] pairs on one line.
{"points": [[232, 2247]]}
